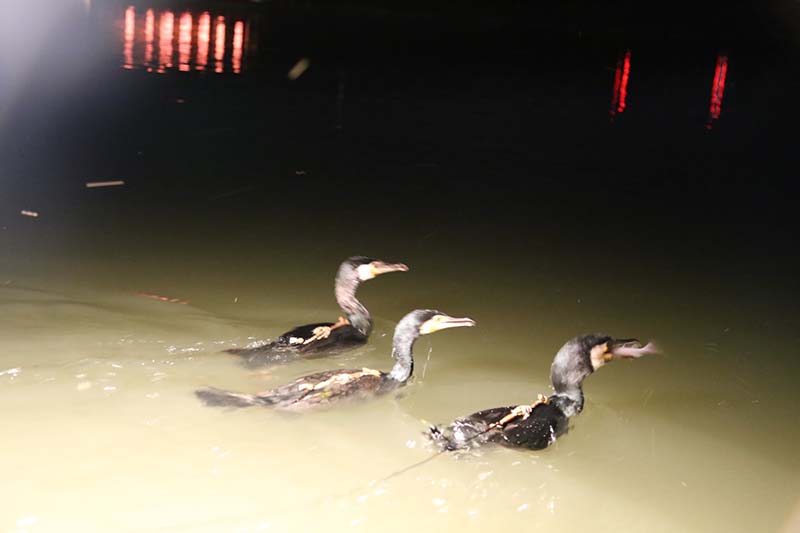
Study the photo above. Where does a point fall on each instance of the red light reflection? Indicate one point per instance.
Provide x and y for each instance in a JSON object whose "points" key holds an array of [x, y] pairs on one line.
{"points": [[219, 44], [130, 25], [203, 38], [621, 76], [165, 29], [184, 41], [149, 24], [717, 90], [238, 40]]}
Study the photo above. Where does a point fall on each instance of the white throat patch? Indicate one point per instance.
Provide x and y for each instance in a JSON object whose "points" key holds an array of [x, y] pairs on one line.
{"points": [[365, 272]]}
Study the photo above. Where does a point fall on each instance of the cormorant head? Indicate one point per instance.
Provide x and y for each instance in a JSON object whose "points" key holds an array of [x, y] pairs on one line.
{"points": [[425, 321], [365, 268], [615, 349], [410, 327], [432, 321], [584, 354]]}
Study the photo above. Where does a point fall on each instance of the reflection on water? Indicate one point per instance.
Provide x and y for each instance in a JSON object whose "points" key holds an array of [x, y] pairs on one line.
{"points": [[127, 52], [219, 44], [717, 90], [193, 40], [203, 37], [184, 42], [621, 75], [238, 37], [149, 25], [165, 41]]}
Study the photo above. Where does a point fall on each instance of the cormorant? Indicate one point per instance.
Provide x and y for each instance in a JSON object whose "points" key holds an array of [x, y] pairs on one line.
{"points": [[326, 338], [537, 425], [324, 388]]}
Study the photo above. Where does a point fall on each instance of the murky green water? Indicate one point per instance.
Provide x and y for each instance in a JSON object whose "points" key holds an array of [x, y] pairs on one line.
{"points": [[540, 221], [101, 427]]}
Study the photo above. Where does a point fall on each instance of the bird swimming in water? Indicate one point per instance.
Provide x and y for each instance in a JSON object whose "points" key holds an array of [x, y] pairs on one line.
{"points": [[538, 425], [326, 338], [322, 389]]}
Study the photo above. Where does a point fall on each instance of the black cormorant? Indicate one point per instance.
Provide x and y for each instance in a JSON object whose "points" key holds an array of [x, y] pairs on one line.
{"points": [[324, 388], [537, 425], [326, 338]]}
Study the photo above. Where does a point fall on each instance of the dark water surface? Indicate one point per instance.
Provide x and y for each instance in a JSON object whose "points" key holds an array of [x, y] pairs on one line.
{"points": [[546, 172]]}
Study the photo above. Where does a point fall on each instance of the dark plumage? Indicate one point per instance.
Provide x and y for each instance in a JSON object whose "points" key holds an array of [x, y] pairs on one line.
{"points": [[324, 388], [538, 425], [326, 338]]}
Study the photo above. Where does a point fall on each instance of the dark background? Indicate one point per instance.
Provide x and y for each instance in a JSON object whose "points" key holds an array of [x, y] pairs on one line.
{"points": [[495, 115]]}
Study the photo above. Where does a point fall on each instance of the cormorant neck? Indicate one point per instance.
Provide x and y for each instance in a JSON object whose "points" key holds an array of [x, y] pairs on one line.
{"points": [[570, 401], [402, 348], [570, 367], [347, 283]]}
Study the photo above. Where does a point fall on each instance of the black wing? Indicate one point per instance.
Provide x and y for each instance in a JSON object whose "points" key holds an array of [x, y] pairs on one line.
{"points": [[545, 423], [469, 431], [300, 343], [323, 388], [307, 392], [301, 332]]}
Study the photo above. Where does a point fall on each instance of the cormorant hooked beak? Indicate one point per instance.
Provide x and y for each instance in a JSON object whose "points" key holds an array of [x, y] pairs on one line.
{"points": [[439, 322], [376, 268], [615, 349], [630, 349]]}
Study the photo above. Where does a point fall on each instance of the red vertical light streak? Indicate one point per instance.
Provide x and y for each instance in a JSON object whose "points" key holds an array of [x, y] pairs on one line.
{"points": [[615, 97], [130, 26], [238, 41], [621, 77], [717, 90], [149, 24], [623, 87], [714, 85], [219, 44], [203, 38], [165, 31], [184, 41]]}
